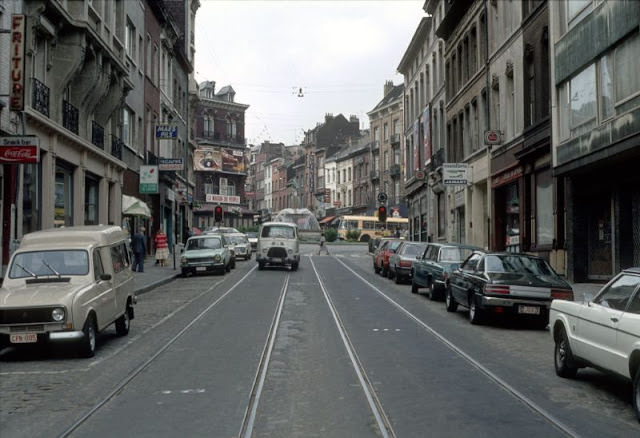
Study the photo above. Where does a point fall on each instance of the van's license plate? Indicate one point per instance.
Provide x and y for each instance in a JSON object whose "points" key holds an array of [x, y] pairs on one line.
{"points": [[23, 338], [529, 310], [201, 268]]}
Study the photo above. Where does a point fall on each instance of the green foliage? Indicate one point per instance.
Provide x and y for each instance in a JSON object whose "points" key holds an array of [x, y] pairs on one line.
{"points": [[353, 235], [330, 234]]}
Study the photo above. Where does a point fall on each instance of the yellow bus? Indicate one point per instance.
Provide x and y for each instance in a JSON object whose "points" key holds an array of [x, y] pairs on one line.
{"points": [[369, 227]]}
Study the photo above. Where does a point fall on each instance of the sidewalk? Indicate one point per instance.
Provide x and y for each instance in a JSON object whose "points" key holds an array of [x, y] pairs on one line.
{"points": [[154, 275]]}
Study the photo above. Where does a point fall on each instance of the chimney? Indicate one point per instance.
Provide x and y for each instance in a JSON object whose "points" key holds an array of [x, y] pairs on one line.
{"points": [[327, 117], [388, 86]]}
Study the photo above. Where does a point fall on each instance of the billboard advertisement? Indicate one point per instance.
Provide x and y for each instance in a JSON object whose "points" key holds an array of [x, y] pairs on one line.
{"points": [[218, 160]]}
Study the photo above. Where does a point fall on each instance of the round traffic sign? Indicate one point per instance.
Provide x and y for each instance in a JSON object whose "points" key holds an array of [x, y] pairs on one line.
{"points": [[382, 197]]}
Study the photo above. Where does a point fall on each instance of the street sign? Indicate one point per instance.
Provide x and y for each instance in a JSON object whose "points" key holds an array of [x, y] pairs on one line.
{"points": [[166, 131], [382, 197], [492, 137]]}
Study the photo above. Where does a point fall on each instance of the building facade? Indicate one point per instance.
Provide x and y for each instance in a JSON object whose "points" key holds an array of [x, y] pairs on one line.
{"points": [[595, 114]]}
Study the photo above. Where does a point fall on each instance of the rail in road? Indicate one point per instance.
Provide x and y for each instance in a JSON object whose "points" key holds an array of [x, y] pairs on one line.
{"points": [[329, 350]]}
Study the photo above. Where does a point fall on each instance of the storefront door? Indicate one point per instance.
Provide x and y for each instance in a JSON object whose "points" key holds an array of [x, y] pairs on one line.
{"points": [[600, 238]]}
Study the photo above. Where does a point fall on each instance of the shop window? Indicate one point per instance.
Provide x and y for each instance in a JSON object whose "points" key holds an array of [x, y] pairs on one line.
{"points": [[512, 218], [90, 200], [544, 208], [442, 219], [30, 201]]}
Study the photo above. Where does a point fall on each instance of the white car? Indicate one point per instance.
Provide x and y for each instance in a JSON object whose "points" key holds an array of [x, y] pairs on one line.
{"points": [[603, 333]]}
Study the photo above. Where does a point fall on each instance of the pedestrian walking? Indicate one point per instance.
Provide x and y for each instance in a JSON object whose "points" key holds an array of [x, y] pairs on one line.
{"points": [[162, 247], [323, 247], [139, 248]]}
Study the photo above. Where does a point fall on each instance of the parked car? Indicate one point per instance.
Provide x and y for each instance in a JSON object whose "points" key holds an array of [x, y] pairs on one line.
{"points": [[506, 283], [253, 240], [241, 245], [67, 285], [206, 253], [278, 245], [222, 230], [401, 262], [433, 267], [383, 253], [603, 333], [373, 244]]}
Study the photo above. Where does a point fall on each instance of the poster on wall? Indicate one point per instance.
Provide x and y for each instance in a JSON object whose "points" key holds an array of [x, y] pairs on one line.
{"points": [[218, 160]]}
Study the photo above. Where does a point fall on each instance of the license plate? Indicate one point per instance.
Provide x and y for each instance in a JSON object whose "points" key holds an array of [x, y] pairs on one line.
{"points": [[201, 268], [23, 338], [529, 310]]}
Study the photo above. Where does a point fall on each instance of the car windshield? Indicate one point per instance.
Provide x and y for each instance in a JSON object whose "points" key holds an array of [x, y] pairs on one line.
{"points": [[279, 231], [238, 239], [204, 243], [517, 263], [58, 262]]}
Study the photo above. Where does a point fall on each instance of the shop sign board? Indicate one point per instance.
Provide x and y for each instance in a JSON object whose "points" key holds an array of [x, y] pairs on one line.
{"points": [[166, 131], [148, 179], [20, 149], [166, 164], [454, 174], [16, 73], [222, 199]]}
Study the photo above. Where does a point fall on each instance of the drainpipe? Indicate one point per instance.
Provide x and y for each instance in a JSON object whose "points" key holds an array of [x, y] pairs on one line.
{"points": [[488, 121]]}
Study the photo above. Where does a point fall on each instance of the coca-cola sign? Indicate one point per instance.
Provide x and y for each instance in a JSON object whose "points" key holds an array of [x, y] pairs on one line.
{"points": [[17, 150]]}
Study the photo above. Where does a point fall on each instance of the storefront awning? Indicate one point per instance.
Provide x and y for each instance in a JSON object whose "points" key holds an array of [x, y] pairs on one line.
{"points": [[326, 220], [132, 206]]}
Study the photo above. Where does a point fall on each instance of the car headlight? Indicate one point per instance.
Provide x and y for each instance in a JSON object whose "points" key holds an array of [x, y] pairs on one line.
{"points": [[216, 257], [290, 251], [57, 314], [183, 261]]}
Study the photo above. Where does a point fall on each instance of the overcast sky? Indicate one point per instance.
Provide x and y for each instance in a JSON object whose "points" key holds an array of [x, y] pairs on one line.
{"points": [[339, 52]]}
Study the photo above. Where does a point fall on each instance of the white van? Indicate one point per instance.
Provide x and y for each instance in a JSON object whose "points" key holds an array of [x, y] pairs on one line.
{"points": [[66, 285], [278, 245]]}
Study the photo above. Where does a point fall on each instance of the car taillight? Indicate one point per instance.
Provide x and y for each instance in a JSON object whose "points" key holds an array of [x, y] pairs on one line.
{"points": [[405, 264], [496, 289], [562, 294]]}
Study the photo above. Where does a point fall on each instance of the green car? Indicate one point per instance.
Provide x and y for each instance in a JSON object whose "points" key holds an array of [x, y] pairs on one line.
{"points": [[206, 253]]}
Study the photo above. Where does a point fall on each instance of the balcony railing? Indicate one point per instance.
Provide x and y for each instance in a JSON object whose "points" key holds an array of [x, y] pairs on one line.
{"points": [[395, 170], [97, 134], [40, 97], [395, 139], [116, 147], [374, 174], [70, 117]]}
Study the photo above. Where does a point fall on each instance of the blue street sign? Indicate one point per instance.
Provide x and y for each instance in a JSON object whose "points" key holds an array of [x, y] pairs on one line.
{"points": [[166, 131]]}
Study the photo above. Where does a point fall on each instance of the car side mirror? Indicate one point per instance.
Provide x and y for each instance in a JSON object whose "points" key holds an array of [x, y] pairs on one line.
{"points": [[105, 277], [587, 298]]}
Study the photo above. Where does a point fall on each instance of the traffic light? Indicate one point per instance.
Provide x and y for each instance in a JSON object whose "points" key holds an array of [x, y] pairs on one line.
{"points": [[218, 213], [382, 214]]}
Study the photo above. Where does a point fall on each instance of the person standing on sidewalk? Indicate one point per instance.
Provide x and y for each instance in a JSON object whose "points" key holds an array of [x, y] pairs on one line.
{"points": [[162, 247], [139, 248]]}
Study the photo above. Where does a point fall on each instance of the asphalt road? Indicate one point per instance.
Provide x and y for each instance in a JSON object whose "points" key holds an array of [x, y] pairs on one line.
{"points": [[330, 350]]}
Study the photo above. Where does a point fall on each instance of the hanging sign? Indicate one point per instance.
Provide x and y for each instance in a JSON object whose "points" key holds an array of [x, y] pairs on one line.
{"points": [[148, 179], [16, 72]]}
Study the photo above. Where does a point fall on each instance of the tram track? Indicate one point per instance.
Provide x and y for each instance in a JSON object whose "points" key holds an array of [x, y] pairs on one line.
{"points": [[152, 359], [493, 377]]}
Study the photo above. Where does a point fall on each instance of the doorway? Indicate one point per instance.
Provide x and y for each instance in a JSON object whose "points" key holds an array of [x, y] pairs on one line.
{"points": [[600, 237]]}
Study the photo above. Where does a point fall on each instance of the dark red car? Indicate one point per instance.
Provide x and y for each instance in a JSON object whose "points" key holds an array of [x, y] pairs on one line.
{"points": [[382, 255]]}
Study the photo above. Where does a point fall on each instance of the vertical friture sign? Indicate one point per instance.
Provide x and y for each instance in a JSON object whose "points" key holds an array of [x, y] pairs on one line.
{"points": [[16, 98]]}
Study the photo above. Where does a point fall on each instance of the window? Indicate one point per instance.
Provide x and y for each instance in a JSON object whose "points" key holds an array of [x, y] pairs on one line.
{"points": [[63, 203], [127, 126], [231, 128], [130, 40], [98, 269], [578, 103], [618, 293], [385, 131], [627, 65], [606, 85]]}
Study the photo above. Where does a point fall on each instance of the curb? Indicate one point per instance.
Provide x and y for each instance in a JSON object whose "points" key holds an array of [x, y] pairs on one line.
{"points": [[150, 286]]}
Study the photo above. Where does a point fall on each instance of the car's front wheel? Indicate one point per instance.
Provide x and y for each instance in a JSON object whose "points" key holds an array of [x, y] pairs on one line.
{"points": [[260, 266], [563, 358], [88, 343]]}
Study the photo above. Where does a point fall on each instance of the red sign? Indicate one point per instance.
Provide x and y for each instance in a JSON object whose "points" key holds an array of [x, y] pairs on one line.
{"points": [[16, 97], [19, 149]]}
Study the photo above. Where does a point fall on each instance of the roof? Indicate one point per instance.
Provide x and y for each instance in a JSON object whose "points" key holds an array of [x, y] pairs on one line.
{"points": [[76, 236], [396, 93]]}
